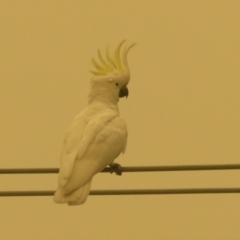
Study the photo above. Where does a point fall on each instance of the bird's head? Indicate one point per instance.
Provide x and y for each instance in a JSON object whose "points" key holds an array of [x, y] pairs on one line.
{"points": [[113, 71]]}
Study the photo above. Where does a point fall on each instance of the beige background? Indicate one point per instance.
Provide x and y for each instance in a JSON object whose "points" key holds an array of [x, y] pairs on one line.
{"points": [[183, 108]]}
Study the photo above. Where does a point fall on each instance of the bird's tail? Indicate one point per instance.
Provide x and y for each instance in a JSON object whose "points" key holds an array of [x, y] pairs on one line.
{"points": [[77, 197]]}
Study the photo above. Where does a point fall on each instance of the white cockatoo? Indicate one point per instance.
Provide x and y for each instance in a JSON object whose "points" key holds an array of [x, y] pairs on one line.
{"points": [[98, 134]]}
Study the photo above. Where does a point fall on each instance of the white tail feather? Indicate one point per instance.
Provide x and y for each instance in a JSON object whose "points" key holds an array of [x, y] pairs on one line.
{"points": [[77, 197]]}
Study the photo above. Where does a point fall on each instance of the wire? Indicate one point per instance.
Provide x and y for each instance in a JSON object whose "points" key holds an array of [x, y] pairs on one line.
{"points": [[129, 169], [128, 192], [132, 191]]}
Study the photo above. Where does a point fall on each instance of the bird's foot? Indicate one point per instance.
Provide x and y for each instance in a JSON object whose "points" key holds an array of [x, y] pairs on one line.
{"points": [[116, 167]]}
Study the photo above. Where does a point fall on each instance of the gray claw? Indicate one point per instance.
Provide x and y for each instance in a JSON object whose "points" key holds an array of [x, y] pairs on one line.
{"points": [[117, 168]]}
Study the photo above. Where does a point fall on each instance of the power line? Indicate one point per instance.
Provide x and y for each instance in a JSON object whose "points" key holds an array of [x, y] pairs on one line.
{"points": [[129, 169], [129, 192]]}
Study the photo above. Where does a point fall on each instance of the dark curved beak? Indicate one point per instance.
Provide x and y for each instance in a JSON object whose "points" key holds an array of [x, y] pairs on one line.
{"points": [[123, 92]]}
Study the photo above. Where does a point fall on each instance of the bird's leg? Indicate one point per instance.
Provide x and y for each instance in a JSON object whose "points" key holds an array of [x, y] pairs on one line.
{"points": [[116, 167]]}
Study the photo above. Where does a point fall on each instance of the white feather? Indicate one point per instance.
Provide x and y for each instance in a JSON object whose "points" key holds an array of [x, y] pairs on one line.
{"points": [[95, 139]]}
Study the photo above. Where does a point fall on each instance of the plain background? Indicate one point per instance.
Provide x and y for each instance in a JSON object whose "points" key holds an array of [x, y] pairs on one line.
{"points": [[183, 108]]}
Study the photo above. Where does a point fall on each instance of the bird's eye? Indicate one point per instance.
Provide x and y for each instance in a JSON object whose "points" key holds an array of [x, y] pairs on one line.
{"points": [[117, 84]]}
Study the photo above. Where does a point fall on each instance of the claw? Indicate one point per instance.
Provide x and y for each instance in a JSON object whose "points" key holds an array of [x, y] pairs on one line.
{"points": [[117, 168]]}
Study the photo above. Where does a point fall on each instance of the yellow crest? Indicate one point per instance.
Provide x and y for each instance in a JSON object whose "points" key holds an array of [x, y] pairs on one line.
{"points": [[117, 62]]}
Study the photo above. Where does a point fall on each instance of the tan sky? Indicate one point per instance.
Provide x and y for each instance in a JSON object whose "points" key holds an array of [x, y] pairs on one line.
{"points": [[183, 108]]}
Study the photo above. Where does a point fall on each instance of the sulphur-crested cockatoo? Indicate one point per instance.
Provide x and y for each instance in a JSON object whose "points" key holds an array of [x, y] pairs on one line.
{"points": [[98, 134]]}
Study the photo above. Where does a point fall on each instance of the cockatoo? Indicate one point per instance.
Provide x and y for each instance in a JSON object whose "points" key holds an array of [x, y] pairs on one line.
{"points": [[98, 134]]}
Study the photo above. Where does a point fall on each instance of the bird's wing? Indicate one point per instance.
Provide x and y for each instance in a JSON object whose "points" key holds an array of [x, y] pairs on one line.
{"points": [[77, 141], [70, 148]]}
